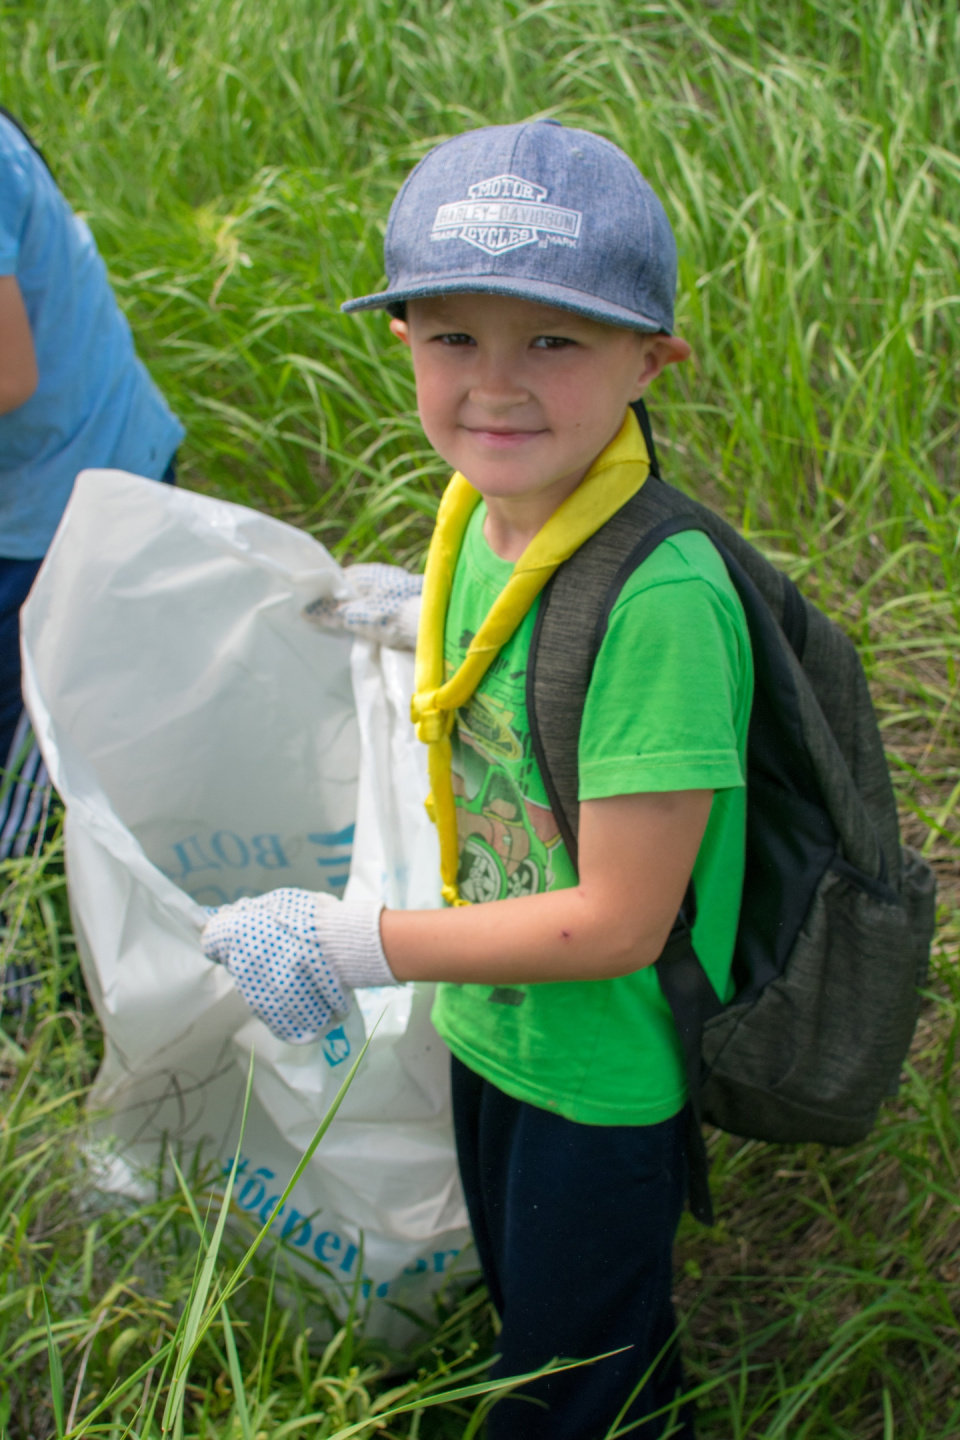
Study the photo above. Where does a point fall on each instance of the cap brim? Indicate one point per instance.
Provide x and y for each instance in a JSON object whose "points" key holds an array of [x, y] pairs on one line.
{"points": [[561, 296]]}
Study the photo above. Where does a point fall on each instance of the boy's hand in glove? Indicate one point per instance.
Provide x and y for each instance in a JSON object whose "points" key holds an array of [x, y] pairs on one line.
{"points": [[384, 608], [295, 955]]}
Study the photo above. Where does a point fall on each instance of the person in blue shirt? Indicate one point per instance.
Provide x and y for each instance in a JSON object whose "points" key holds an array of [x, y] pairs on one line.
{"points": [[73, 394]]}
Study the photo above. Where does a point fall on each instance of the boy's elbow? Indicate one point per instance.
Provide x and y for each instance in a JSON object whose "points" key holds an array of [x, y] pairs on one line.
{"points": [[618, 942], [627, 951]]}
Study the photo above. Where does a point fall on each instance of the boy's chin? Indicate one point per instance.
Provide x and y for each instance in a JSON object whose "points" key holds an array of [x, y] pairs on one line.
{"points": [[509, 483], [510, 474]]}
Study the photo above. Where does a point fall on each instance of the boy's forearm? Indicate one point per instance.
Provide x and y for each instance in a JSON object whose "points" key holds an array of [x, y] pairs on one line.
{"points": [[636, 855], [557, 936]]}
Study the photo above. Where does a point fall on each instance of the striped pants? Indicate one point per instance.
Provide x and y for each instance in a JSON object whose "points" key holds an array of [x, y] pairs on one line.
{"points": [[24, 784]]}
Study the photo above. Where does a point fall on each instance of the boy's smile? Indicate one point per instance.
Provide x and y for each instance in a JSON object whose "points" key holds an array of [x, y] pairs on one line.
{"points": [[522, 397]]}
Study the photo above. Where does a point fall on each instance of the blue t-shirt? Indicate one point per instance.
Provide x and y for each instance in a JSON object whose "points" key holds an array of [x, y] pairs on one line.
{"points": [[95, 404]]}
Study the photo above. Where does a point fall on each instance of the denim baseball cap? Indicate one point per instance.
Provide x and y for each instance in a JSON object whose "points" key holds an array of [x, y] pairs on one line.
{"points": [[537, 211]]}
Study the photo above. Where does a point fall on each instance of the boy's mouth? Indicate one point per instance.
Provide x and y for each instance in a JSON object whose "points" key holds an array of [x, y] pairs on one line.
{"points": [[503, 439]]}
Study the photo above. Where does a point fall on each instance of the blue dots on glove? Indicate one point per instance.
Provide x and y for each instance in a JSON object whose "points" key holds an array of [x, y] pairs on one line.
{"points": [[272, 947]]}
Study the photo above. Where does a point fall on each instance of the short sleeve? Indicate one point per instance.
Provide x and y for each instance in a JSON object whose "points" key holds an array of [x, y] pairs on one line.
{"points": [[669, 700]]}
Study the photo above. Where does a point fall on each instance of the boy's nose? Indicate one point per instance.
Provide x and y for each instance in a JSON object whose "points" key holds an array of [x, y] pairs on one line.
{"points": [[496, 389], [498, 401]]}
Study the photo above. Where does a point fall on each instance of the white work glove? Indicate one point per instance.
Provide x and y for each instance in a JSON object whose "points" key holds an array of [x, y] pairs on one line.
{"points": [[384, 608], [296, 955]]}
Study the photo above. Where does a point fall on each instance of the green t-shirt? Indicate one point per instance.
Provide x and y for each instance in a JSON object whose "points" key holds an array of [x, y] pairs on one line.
{"points": [[667, 709]]}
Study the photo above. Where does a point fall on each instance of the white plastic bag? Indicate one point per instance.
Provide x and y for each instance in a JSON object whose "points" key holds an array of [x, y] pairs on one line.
{"points": [[209, 742]]}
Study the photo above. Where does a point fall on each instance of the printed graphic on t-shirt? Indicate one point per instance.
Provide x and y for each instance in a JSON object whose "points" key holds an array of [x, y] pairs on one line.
{"points": [[508, 842]]}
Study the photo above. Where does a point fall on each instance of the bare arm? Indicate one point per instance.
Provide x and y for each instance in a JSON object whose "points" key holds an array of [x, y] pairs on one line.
{"points": [[19, 376], [636, 857]]}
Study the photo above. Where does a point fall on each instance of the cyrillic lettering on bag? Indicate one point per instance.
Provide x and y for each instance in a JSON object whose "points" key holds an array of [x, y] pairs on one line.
{"points": [[192, 858], [297, 1229], [268, 852], [327, 1246], [230, 849], [254, 1191]]}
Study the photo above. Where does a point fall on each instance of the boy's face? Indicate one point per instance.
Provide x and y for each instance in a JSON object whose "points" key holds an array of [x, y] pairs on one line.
{"points": [[522, 397]]}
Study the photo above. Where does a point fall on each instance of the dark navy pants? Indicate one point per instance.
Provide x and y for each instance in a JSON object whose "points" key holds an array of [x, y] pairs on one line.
{"points": [[574, 1226]]}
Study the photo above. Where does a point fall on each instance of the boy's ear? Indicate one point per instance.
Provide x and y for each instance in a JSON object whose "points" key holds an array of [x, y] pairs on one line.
{"points": [[661, 351], [401, 329]]}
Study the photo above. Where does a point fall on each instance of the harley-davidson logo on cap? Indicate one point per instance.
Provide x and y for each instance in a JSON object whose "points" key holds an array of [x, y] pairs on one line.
{"points": [[503, 213]]}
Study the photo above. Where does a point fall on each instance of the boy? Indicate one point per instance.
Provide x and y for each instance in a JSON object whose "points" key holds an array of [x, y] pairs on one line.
{"points": [[532, 273]]}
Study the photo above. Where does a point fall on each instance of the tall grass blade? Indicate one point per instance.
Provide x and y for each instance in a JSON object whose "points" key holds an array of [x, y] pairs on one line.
{"points": [[236, 1376], [56, 1369], [428, 1402]]}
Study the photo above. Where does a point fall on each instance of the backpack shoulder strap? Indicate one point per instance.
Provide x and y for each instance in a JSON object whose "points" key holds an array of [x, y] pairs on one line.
{"points": [[565, 643]]}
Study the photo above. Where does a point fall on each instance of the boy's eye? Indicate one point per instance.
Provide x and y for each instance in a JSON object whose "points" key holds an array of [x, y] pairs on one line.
{"points": [[552, 342], [456, 337]]}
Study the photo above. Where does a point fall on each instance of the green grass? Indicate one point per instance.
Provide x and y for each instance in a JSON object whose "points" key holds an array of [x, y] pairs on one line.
{"points": [[236, 162]]}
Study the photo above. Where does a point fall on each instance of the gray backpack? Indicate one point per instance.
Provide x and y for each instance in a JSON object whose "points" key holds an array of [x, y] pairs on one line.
{"points": [[837, 917]]}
